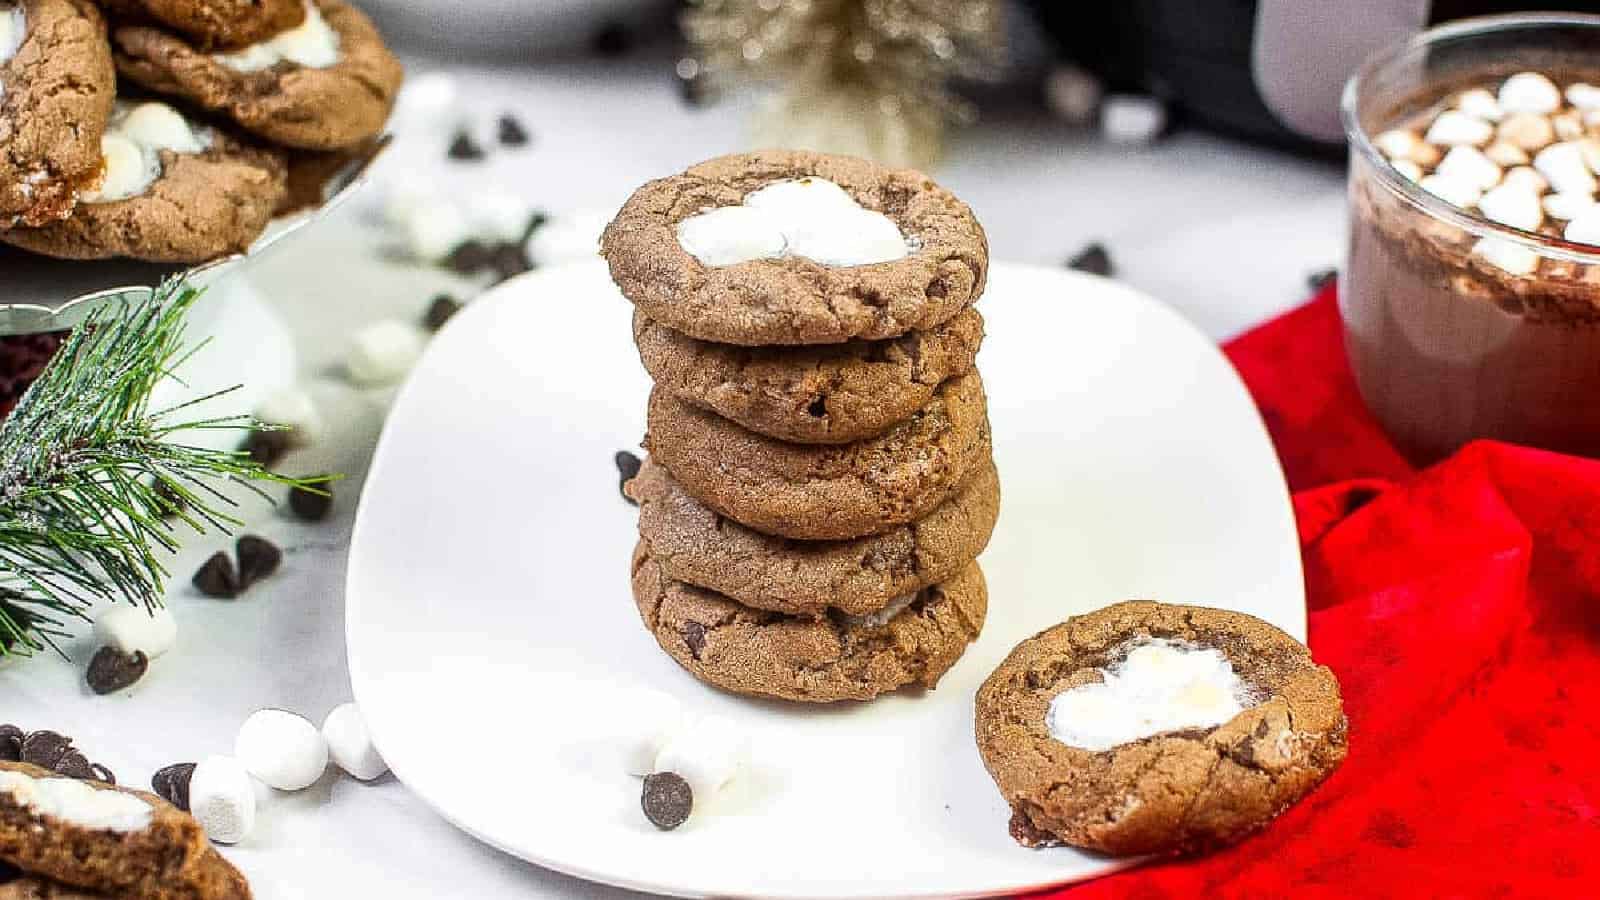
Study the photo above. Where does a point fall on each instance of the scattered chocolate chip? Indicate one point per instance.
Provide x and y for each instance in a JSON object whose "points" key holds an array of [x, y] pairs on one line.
{"points": [[217, 578], [1094, 259], [628, 469], [1316, 281], [101, 773], [44, 748], [440, 311], [667, 800], [510, 260], [470, 257], [10, 743], [172, 784], [311, 505], [112, 670], [611, 41], [464, 148], [267, 446], [694, 634], [693, 88], [74, 765], [535, 222], [511, 132], [169, 501], [258, 558]]}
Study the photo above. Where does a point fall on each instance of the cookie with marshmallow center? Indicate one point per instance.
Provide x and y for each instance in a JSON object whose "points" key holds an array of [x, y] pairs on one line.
{"points": [[57, 85], [785, 247], [1155, 728]]}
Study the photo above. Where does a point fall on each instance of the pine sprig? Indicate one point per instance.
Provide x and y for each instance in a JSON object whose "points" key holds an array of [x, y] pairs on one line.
{"points": [[94, 484]]}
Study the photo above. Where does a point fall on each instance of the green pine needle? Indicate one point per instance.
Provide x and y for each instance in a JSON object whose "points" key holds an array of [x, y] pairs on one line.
{"points": [[93, 484]]}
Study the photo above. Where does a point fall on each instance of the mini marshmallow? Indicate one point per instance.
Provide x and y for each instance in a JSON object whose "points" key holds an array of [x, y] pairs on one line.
{"points": [[1585, 227], [1530, 132], [282, 749], [1567, 206], [312, 44], [294, 409], [429, 100], [432, 229], [1453, 191], [1529, 92], [652, 719], [1514, 206], [1506, 154], [1073, 94], [1568, 126], [1562, 164], [127, 170], [13, 29], [1469, 166], [159, 127], [1584, 96], [1527, 178], [223, 799], [1454, 128], [1397, 143], [383, 352], [498, 216], [131, 628], [1132, 119], [569, 237], [708, 753], [1480, 104], [1507, 255], [350, 744], [731, 234], [1406, 167]]}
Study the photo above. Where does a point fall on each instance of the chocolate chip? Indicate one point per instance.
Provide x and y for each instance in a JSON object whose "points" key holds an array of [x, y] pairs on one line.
{"points": [[694, 634], [217, 578], [258, 558], [693, 88], [169, 501], [311, 505], [172, 784], [74, 765], [535, 222], [470, 258], [510, 260], [511, 132], [628, 469], [44, 748], [440, 311], [267, 446], [464, 148], [112, 670], [101, 773], [1094, 259], [1316, 281], [667, 800], [611, 41], [10, 743]]}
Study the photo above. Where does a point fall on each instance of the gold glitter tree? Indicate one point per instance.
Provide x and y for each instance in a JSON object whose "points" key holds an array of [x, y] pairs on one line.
{"points": [[865, 77]]}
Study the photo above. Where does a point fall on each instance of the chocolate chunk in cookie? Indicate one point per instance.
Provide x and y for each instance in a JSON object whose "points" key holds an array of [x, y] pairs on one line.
{"points": [[694, 544], [172, 191], [793, 247], [825, 492], [837, 657], [57, 85], [327, 84], [825, 394], [214, 24], [1152, 728]]}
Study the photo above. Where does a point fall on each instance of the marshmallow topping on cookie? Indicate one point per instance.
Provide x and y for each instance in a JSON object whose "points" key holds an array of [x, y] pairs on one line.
{"points": [[13, 27], [312, 44], [132, 148], [74, 801], [809, 217]]}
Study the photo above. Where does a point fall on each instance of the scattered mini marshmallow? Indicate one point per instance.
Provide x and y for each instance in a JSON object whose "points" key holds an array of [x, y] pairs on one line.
{"points": [[652, 719], [1562, 164], [1480, 104], [292, 408], [708, 753], [1406, 167], [1470, 166], [1506, 154], [350, 744], [131, 628], [282, 749], [1397, 143], [428, 101], [1453, 191], [498, 216], [1529, 92], [1527, 178], [1132, 118], [1567, 207], [1527, 131], [1073, 93], [222, 799], [567, 238], [432, 229], [1454, 128], [383, 352], [1584, 96], [1507, 255], [1514, 206], [732, 234], [1585, 227]]}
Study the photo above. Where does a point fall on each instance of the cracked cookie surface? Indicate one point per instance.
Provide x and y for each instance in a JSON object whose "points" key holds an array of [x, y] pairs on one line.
{"points": [[824, 394], [761, 653], [794, 300], [693, 544], [1170, 793], [56, 93], [215, 24]]}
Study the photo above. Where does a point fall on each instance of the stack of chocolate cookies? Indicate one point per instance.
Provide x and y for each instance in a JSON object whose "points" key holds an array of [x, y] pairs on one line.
{"points": [[820, 479]]}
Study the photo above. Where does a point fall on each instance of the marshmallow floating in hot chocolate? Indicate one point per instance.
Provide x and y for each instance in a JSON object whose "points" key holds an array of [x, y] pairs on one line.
{"points": [[131, 628], [1563, 164], [1159, 686], [222, 798], [1529, 92], [312, 44], [1454, 128], [1508, 256], [76, 802], [13, 28], [132, 147], [282, 749], [1513, 205], [806, 217]]}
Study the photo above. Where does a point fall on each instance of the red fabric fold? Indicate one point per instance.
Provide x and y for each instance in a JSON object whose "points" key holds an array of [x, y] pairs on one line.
{"points": [[1460, 608]]}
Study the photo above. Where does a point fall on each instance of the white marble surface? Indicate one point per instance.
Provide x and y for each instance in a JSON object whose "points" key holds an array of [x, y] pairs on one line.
{"points": [[1225, 233]]}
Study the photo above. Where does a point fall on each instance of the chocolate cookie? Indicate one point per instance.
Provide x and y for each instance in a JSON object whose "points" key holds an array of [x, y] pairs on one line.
{"points": [[695, 545], [825, 394], [837, 657], [56, 89], [211, 196], [1172, 791], [825, 492], [28, 887], [326, 85], [215, 24], [795, 299]]}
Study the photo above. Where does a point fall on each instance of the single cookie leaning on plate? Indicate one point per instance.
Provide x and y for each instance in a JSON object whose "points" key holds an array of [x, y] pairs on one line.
{"points": [[792, 247], [327, 84], [99, 837], [56, 89], [1153, 728], [825, 492], [837, 657], [693, 544], [214, 24], [173, 191], [823, 394]]}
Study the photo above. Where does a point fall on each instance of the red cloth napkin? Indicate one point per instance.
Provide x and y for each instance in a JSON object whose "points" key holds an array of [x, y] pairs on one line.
{"points": [[1460, 608]]}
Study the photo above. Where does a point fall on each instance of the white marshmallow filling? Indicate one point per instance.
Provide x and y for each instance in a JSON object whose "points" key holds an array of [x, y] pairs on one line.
{"points": [[807, 217], [76, 802], [132, 145], [1157, 686], [13, 29], [312, 44]]}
